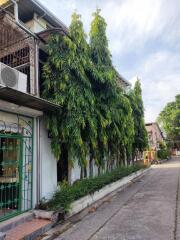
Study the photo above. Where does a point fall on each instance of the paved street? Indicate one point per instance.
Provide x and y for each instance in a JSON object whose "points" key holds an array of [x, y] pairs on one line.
{"points": [[146, 210]]}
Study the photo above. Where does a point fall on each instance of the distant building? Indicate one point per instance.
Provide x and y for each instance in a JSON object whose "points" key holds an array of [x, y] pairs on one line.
{"points": [[155, 135]]}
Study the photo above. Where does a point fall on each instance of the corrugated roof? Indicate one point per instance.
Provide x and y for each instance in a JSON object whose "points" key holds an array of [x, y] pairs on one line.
{"points": [[27, 100], [44, 35], [126, 82]]}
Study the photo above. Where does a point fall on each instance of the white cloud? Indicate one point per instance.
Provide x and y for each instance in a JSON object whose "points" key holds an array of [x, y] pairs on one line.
{"points": [[132, 23], [150, 112], [160, 74], [133, 80]]}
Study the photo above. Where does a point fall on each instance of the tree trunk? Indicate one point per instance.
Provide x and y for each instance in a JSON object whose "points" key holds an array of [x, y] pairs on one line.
{"points": [[63, 165], [91, 166], [85, 172], [82, 173], [99, 170]]}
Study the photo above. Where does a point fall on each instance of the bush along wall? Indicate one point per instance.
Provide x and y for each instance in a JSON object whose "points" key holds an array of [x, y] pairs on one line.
{"points": [[67, 194]]}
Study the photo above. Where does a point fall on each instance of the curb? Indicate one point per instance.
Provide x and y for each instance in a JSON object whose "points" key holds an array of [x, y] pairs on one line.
{"points": [[86, 204], [90, 199]]}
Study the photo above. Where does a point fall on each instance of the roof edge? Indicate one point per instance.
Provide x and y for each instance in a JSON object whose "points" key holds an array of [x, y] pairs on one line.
{"points": [[51, 15], [123, 79]]}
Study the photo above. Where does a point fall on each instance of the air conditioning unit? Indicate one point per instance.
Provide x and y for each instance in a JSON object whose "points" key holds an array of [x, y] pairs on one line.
{"points": [[12, 78]]}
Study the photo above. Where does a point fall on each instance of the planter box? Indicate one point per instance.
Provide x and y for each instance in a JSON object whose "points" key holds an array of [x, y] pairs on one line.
{"points": [[86, 201]]}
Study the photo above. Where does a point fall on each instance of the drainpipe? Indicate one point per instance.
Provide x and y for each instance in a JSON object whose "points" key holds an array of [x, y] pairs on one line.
{"points": [[38, 163], [16, 15], [37, 90]]}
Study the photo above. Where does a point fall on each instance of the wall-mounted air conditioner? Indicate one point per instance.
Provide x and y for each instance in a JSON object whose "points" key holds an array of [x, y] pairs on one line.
{"points": [[12, 78]]}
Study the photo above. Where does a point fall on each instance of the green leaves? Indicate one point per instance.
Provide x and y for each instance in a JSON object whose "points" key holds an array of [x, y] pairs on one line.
{"points": [[113, 108], [96, 117], [67, 194], [68, 83], [169, 118], [140, 139]]}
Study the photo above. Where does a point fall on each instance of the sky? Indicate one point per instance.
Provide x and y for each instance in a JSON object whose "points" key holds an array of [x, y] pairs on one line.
{"points": [[144, 39]]}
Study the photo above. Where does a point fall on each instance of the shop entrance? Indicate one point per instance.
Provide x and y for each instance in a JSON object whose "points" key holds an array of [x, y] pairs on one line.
{"points": [[10, 175], [16, 157]]}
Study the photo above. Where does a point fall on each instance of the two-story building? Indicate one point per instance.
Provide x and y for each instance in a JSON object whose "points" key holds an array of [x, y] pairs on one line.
{"points": [[155, 135], [28, 169]]}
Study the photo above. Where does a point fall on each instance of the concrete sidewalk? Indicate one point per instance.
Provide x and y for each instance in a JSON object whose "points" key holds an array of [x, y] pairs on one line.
{"points": [[149, 209]]}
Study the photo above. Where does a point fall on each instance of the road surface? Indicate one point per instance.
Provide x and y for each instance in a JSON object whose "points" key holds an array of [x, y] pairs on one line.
{"points": [[149, 209]]}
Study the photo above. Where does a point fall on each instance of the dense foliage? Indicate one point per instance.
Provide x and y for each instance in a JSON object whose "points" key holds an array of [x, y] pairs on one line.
{"points": [[67, 84], [95, 120], [162, 152], [115, 125], [140, 139], [169, 119], [67, 194]]}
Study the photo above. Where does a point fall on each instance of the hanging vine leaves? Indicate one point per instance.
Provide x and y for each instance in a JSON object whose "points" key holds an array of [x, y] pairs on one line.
{"points": [[110, 100], [67, 84], [96, 116]]}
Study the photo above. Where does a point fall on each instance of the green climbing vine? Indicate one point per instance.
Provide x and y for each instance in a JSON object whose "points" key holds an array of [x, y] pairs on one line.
{"points": [[95, 121]]}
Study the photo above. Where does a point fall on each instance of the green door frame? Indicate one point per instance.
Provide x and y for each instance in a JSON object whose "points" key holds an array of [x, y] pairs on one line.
{"points": [[25, 171], [19, 166]]}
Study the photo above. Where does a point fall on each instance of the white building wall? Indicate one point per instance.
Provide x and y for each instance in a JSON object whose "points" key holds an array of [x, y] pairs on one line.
{"points": [[36, 24], [75, 172], [48, 164], [95, 170]]}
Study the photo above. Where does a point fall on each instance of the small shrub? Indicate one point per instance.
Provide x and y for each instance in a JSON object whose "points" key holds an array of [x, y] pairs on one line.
{"points": [[163, 152], [67, 194]]}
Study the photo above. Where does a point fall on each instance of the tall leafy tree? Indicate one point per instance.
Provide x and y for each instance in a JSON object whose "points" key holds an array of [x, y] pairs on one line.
{"points": [[113, 106], [99, 43], [67, 84], [140, 137], [169, 118], [96, 117]]}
